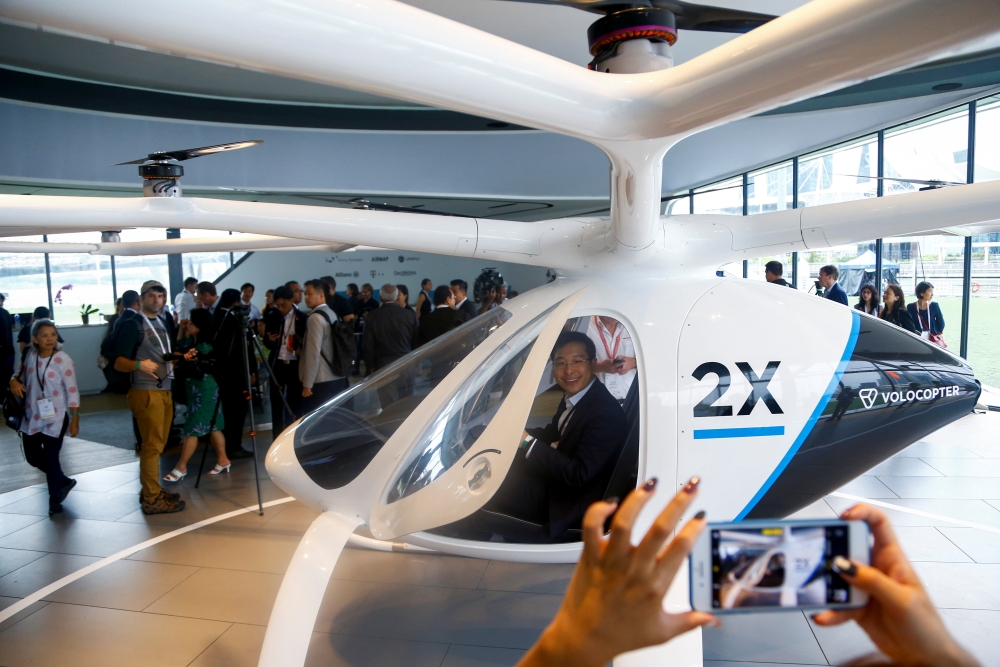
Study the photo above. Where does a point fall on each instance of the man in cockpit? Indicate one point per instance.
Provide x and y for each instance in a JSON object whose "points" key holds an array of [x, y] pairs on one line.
{"points": [[563, 468]]}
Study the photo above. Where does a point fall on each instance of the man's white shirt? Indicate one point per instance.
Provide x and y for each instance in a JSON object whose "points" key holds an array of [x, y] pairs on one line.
{"points": [[617, 384], [184, 304]]}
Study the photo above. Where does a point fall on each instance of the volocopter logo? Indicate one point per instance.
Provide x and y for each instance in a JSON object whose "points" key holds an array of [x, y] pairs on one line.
{"points": [[868, 397]]}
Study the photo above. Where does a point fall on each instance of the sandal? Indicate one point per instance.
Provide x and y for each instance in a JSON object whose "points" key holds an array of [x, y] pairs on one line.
{"points": [[219, 469], [174, 475]]}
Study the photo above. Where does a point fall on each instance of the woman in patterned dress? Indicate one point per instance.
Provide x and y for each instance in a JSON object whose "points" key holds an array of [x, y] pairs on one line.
{"points": [[47, 383], [202, 397]]}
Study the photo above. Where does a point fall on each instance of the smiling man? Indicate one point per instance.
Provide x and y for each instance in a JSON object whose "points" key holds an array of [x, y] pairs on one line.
{"points": [[563, 468]]}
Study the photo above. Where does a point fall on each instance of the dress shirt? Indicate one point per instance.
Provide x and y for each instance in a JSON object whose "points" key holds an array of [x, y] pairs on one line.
{"points": [[567, 414], [184, 304], [617, 384]]}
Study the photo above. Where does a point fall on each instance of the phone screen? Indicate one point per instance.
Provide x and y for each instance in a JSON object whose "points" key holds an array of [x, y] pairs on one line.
{"points": [[778, 566]]}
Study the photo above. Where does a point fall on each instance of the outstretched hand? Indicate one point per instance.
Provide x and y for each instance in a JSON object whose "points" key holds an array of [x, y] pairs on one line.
{"points": [[899, 616], [614, 602]]}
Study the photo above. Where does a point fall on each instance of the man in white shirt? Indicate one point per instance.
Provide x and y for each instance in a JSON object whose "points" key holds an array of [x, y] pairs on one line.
{"points": [[615, 365], [184, 301], [246, 294], [319, 383]]}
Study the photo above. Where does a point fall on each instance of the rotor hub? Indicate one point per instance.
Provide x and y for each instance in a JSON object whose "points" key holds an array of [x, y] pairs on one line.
{"points": [[652, 23]]}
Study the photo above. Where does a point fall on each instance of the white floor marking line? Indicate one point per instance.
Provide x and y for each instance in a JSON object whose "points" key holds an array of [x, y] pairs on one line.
{"points": [[20, 606], [900, 508]]}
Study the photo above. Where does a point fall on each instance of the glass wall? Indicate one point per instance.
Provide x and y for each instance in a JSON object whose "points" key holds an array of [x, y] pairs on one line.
{"points": [[80, 279], [205, 265], [929, 149], [839, 174], [934, 148], [132, 272], [22, 278]]}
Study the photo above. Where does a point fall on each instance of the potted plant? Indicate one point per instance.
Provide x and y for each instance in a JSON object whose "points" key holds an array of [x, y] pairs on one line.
{"points": [[86, 311]]}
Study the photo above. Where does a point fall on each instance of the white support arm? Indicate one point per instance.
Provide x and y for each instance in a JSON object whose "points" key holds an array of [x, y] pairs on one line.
{"points": [[444, 235]]}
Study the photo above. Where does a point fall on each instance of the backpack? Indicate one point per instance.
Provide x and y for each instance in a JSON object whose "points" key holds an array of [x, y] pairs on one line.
{"points": [[342, 337], [120, 382]]}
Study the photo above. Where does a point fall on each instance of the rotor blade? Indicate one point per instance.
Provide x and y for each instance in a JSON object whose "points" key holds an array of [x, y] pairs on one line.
{"points": [[242, 242], [690, 16], [389, 48], [899, 180], [190, 153], [319, 224], [139, 161]]}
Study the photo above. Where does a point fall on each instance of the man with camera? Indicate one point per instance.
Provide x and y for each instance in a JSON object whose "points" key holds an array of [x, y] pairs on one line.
{"points": [[284, 327]]}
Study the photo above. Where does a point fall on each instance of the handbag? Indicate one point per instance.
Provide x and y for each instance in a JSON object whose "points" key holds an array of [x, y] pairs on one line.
{"points": [[936, 338]]}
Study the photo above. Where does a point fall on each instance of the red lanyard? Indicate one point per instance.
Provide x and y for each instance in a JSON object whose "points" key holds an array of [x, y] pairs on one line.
{"points": [[612, 354]]}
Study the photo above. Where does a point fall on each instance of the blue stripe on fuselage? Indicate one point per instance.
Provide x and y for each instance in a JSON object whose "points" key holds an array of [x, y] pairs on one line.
{"points": [[852, 341]]}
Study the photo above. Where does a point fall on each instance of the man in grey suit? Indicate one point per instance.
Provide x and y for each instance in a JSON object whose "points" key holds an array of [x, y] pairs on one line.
{"points": [[319, 384]]}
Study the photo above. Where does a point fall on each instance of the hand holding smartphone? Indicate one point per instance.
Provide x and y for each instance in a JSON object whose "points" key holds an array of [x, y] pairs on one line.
{"points": [[769, 565]]}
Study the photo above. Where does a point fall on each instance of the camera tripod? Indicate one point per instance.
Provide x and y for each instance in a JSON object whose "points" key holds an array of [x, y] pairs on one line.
{"points": [[245, 333]]}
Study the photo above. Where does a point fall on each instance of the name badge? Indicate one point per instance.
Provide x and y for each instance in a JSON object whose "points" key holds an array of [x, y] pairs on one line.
{"points": [[46, 409]]}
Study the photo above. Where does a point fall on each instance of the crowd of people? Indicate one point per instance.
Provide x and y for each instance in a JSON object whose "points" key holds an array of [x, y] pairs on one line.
{"points": [[922, 316], [201, 354]]}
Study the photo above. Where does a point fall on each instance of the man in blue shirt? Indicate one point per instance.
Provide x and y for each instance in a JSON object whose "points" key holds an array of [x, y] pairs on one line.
{"points": [[828, 279]]}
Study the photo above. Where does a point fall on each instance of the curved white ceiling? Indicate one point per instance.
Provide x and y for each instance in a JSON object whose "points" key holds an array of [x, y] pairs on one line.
{"points": [[558, 31]]}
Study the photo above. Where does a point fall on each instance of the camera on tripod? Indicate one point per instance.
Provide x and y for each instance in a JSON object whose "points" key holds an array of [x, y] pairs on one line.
{"points": [[819, 288], [488, 280], [242, 313]]}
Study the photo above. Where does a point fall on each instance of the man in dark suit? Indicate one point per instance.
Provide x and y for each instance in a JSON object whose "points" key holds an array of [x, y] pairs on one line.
{"points": [[284, 329], [564, 468], [442, 319], [828, 279], [460, 289], [390, 331]]}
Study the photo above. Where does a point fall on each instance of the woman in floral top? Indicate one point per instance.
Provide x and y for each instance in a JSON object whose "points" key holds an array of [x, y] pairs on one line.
{"points": [[202, 397], [47, 383]]}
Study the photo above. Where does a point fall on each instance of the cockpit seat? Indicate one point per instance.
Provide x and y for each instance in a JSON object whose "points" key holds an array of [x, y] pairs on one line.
{"points": [[623, 481]]}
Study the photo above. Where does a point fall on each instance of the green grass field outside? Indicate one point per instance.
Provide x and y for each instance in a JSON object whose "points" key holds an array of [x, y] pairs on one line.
{"points": [[984, 325]]}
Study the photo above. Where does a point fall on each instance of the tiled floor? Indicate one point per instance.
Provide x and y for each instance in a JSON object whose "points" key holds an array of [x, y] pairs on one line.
{"points": [[203, 598]]}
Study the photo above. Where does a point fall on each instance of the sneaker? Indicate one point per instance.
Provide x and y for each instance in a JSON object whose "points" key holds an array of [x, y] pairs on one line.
{"points": [[63, 492], [172, 496], [163, 505]]}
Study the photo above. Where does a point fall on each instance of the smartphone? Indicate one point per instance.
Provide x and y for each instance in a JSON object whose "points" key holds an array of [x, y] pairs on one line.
{"points": [[770, 565]]}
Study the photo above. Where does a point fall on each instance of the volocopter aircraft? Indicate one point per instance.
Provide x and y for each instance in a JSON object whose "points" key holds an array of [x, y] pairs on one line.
{"points": [[771, 422]]}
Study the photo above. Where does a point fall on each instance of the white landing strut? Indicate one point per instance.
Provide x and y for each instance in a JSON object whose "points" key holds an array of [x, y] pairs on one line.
{"points": [[294, 614]]}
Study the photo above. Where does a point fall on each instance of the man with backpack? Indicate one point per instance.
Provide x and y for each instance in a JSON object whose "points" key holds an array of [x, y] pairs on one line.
{"points": [[327, 352], [143, 345]]}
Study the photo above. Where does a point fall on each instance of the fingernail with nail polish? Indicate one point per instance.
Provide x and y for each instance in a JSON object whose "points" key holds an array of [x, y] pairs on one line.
{"points": [[612, 500], [843, 566], [650, 484], [699, 516], [692, 484]]}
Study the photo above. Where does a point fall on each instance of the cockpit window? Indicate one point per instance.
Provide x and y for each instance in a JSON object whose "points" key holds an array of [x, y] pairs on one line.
{"points": [[337, 441], [468, 413]]}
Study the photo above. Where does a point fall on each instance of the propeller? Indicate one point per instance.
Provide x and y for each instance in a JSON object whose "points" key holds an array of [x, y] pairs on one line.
{"points": [[653, 26], [190, 153], [931, 185], [161, 172]]}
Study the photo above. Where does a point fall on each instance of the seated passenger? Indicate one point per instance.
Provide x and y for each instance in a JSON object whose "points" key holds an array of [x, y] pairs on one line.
{"points": [[563, 468]]}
